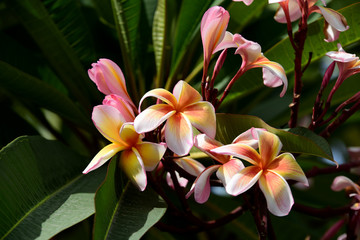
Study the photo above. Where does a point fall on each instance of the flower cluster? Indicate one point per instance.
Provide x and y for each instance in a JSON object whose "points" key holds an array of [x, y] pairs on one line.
{"points": [[165, 131]]}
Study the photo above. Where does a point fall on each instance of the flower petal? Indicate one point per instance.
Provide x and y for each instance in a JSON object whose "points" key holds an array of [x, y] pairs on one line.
{"points": [[202, 116], [335, 19], [131, 163], [227, 42], [190, 165], [273, 74], [277, 193], [129, 136], [185, 94], [103, 156], [182, 181], [179, 134], [162, 94], [342, 182], [206, 144], [249, 137], [151, 154], [202, 184], [213, 26], [243, 180], [269, 147], [121, 105], [250, 51], [294, 12], [241, 151], [286, 166], [246, 2], [152, 117], [108, 120], [228, 170]]}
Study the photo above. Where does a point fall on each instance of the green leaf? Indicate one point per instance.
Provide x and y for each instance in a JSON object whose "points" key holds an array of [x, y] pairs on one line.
{"points": [[62, 57], [159, 40], [31, 89], [42, 189], [298, 140], [124, 212], [187, 28], [127, 18], [68, 16]]}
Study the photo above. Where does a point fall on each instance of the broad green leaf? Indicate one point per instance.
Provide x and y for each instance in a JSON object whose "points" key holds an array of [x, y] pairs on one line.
{"points": [[68, 16], [62, 57], [122, 211], [31, 89], [127, 16], [301, 140], [159, 40], [42, 189]]}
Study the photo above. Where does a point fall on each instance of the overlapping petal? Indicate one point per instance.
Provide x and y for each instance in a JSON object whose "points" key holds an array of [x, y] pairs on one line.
{"points": [[151, 154], [243, 180], [213, 26], [249, 137], [179, 134], [294, 12], [103, 156], [131, 163], [109, 78], [108, 120], [152, 117], [190, 165], [121, 105], [286, 166], [342, 182], [185, 95], [162, 94], [334, 23], [269, 147], [206, 144], [227, 42], [239, 150], [277, 193], [227, 171], [129, 136], [246, 2], [202, 116]]}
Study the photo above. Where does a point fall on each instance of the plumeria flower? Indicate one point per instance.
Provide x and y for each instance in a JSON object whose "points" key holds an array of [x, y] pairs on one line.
{"points": [[213, 26], [273, 73], [268, 168], [348, 64], [341, 183], [182, 110], [228, 165], [136, 157], [109, 79], [334, 21]]}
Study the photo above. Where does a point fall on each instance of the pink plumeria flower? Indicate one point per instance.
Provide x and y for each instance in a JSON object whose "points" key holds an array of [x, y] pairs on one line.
{"points": [[269, 169], [273, 73], [182, 110], [334, 21], [348, 64], [137, 156], [228, 165], [121, 105], [109, 79], [341, 183], [213, 26]]}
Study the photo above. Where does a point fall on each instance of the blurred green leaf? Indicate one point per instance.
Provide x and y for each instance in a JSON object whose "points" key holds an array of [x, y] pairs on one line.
{"points": [[122, 211], [62, 57], [31, 89], [301, 140], [42, 189]]}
